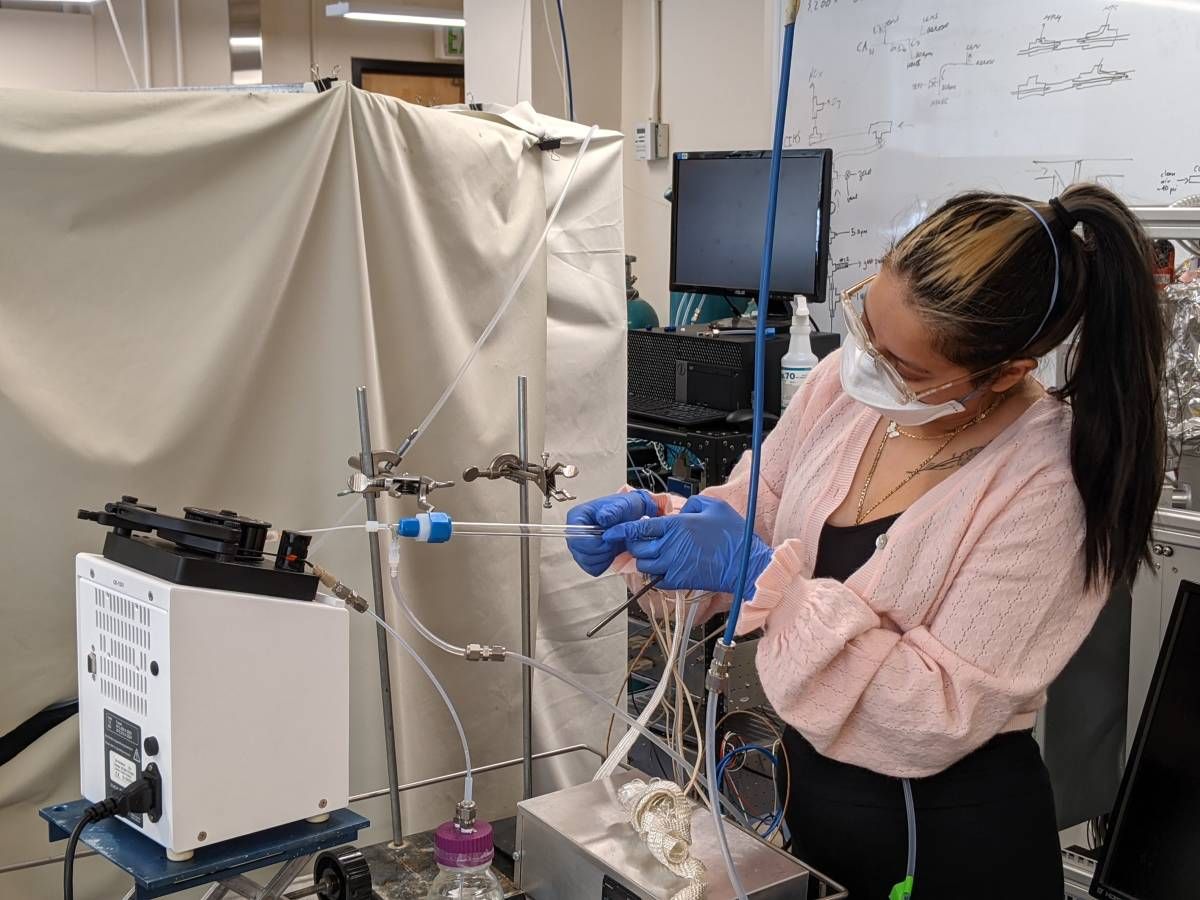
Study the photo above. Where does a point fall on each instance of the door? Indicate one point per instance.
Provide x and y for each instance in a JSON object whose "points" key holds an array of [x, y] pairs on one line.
{"points": [[423, 90], [424, 84]]}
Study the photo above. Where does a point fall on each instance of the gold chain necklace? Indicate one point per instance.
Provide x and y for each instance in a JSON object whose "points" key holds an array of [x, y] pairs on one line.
{"points": [[894, 430], [890, 432]]}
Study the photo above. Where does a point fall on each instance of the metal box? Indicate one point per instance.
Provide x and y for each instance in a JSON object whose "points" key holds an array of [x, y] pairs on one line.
{"points": [[241, 701], [577, 844]]}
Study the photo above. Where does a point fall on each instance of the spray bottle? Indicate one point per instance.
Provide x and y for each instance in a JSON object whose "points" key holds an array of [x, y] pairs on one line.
{"points": [[799, 360]]}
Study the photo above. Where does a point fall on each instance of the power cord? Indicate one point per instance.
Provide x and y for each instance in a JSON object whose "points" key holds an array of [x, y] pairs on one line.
{"points": [[142, 796]]}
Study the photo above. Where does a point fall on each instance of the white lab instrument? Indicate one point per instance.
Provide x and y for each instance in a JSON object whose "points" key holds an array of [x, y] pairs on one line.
{"points": [[240, 701]]}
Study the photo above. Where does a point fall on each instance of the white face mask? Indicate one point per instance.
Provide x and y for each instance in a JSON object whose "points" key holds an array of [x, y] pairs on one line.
{"points": [[863, 381]]}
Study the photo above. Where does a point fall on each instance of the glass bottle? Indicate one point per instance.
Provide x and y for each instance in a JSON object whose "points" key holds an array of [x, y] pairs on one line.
{"points": [[464, 859]]}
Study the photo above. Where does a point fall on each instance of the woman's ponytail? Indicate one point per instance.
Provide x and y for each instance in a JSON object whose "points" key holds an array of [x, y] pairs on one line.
{"points": [[1114, 380], [982, 270]]}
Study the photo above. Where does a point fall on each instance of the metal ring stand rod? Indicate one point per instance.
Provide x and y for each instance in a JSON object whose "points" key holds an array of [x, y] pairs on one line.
{"points": [[526, 593], [385, 677]]}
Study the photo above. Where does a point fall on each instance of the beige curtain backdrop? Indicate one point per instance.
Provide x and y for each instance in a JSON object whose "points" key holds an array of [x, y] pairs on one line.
{"points": [[191, 287], [585, 370]]}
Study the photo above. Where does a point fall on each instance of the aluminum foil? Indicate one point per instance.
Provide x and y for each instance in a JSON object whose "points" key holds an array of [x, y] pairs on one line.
{"points": [[1182, 395]]}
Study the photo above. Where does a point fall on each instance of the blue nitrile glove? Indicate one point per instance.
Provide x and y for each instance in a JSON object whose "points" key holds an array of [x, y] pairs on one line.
{"points": [[698, 549], [596, 554]]}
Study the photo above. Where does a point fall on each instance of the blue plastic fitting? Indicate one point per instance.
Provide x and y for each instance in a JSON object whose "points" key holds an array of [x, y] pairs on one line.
{"points": [[429, 528]]}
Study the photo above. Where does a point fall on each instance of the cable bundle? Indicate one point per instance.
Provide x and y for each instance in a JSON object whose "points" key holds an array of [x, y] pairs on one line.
{"points": [[661, 814]]}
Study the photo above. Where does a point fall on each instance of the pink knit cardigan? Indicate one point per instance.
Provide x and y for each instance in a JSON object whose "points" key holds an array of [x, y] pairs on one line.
{"points": [[971, 605]]}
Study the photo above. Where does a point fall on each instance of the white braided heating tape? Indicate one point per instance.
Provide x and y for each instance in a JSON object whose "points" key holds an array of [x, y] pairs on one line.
{"points": [[661, 814]]}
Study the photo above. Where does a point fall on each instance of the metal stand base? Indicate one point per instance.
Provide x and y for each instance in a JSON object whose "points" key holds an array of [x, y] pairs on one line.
{"points": [[224, 863]]}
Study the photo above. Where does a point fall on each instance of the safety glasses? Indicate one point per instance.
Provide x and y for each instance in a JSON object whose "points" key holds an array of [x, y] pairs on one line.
{"points": [[853, 301]]}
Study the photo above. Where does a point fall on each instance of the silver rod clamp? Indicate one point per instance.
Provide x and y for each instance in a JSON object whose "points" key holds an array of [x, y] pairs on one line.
{"points": [[544, 477], [717, 679], [419, 486], [484, 653]]}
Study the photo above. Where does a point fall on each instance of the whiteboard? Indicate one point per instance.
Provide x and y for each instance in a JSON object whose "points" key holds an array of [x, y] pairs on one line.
{"points": [[921, 99]]}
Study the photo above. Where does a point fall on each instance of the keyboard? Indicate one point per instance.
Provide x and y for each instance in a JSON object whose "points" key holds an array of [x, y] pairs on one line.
{"points": [[672, 411]]}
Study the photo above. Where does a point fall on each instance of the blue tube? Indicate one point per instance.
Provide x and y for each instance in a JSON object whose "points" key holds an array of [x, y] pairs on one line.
{"points": [[760, 334], [773, 821], [745, 748], [562, 24]]}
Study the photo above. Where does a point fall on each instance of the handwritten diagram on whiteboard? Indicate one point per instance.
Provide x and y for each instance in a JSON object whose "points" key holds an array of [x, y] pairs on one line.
{"points": [[922, 99]]}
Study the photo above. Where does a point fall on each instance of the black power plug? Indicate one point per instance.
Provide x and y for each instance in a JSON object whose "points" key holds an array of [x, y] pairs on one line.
{"points": [[142, 796]]}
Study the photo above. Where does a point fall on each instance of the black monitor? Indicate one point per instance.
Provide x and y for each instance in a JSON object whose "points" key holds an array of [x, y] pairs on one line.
{"points": [[1152, 849], [718, 213]]}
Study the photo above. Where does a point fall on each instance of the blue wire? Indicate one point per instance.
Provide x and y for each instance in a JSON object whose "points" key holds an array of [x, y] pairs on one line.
{"points": [[562, 24], [778, 820], [746, 748], [729, 758], [760, 335]]}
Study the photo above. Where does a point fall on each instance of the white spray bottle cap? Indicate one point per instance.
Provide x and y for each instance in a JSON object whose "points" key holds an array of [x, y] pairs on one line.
{"points": [[799, 310]]}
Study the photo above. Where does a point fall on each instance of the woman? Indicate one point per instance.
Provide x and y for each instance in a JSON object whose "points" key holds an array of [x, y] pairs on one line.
{"points": [[936, 535]]}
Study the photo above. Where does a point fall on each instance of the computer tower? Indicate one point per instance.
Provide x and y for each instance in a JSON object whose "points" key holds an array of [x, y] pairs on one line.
{"points": [[697, 366]]}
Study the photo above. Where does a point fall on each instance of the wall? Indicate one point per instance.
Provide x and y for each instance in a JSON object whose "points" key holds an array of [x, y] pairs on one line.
{"points": [[717, 89], [293, 36], [498, 68], [205, 25], [24, 37], [594, 36]]}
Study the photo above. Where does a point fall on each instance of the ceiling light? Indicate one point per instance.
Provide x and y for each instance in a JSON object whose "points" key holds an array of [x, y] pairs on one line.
{"points": [[404, 15], [246, 43]]}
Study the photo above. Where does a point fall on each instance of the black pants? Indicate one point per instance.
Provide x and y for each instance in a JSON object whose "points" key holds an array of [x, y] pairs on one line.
{"points": [[985, 826]]}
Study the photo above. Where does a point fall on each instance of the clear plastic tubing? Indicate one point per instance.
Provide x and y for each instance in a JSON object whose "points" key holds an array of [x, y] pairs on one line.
{"points": [[415, 435], [910, 814], [469, 781], [710, 771], [416, 623], [511, 529], [588, 692]]}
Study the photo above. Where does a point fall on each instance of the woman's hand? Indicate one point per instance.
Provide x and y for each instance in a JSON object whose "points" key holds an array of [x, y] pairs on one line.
{"points": [[697, 549], [596, 554]]}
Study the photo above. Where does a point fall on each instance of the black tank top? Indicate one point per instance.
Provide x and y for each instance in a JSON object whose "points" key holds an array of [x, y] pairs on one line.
{"points": [[844, 549]]}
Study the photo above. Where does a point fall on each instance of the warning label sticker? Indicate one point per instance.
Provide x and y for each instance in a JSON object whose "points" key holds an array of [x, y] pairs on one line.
{"points": [[121, 771], [123, 756]]}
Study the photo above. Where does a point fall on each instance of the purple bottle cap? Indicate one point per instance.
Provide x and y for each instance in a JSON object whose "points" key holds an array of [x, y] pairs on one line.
{"points": [[458, 849]]}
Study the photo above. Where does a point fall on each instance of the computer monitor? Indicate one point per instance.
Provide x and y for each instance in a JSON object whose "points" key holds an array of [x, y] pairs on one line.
{"points": [[1152, 849], [718, 212]]}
